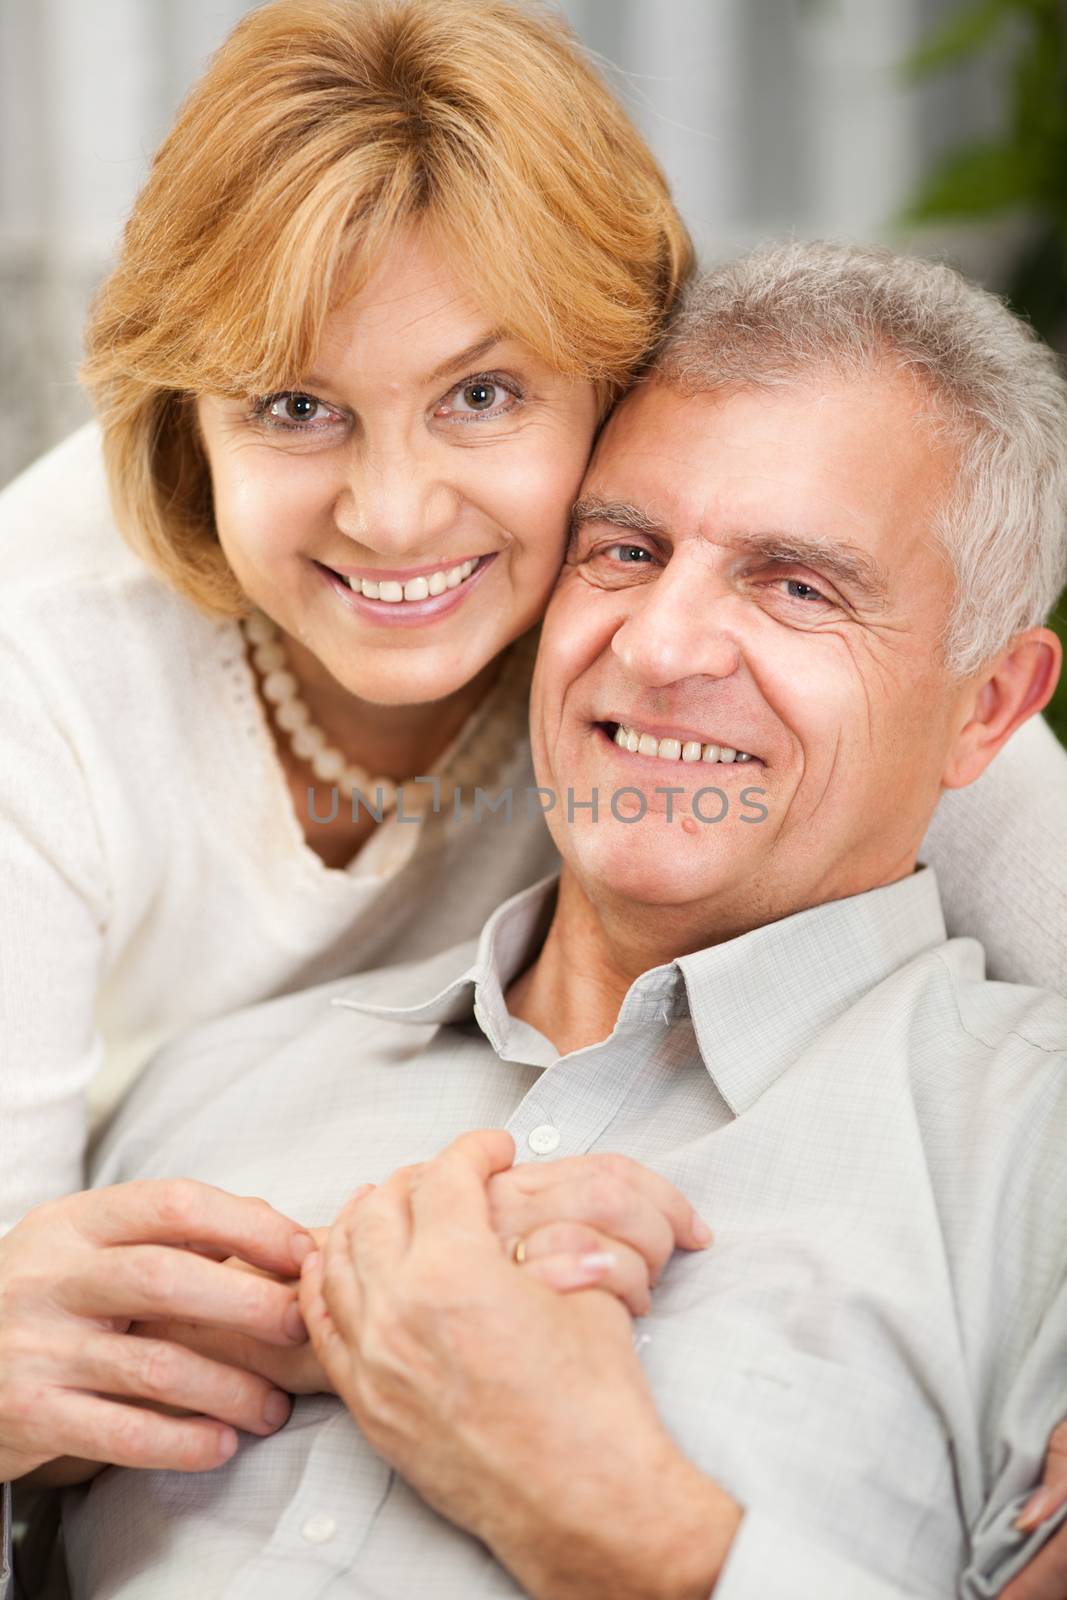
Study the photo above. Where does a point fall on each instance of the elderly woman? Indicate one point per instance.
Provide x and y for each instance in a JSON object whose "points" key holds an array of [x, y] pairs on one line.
{"points": [[391, 267]]}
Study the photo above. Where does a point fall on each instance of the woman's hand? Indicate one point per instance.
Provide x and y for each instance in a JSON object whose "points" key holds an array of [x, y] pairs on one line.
{"points": [[1045, 1578], [74, 1274], [296, 1369], [620, 1219]]}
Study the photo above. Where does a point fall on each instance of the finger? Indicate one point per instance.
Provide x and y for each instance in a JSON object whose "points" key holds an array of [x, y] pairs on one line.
{"points": [[690, 1230], [182, 1211], [347, 1259], [295, 1369], [1045, 1578], [1052, 1494], [370, 1237], [69, 1423], [336, 1355], [450, 1197], [167, 1373], [154, 1283], [615, 1209], [567, 1257]]}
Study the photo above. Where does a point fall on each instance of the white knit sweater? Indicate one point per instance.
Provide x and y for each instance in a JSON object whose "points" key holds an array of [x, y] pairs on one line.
{"points": [[153, 873]]}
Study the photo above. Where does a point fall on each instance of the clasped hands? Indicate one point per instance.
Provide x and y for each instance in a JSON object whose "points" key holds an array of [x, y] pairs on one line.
{"points": [[521, 1413], [219, 1349]]}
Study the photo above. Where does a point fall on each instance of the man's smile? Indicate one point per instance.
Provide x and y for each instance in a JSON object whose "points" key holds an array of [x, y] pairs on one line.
{"points": [[674, 746]]}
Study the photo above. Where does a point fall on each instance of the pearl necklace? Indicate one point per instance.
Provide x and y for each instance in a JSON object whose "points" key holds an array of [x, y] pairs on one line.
{"points": [[307, 741]]}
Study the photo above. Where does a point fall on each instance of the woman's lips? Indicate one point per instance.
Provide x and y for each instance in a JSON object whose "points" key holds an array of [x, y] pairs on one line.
{"points": [[405, 613]]}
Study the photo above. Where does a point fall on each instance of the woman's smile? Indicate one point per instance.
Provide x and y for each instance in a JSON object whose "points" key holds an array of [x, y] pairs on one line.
{"points": [[393, 599]]}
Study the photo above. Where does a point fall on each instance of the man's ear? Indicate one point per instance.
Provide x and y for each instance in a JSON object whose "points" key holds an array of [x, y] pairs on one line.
{"points": [[1010, 689]]}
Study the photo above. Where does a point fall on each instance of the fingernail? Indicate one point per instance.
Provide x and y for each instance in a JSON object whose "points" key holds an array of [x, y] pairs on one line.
{"points": [[227, 1443], [294, 1324], [301, 1245], [701, 1232], [595, 1264], [1037, 1508], [311, 1261], [275, 1408]]}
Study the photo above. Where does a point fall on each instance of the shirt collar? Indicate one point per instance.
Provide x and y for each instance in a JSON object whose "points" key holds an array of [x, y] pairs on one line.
{"points": [[755, 1001], [454, 987]]}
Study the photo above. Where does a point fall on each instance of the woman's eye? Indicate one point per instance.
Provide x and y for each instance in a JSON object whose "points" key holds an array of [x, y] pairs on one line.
{"points": [[479, 397], [292, 411]]}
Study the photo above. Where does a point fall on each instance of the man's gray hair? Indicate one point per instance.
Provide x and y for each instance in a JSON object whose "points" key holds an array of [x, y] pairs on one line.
{"points": [[787, 310]]}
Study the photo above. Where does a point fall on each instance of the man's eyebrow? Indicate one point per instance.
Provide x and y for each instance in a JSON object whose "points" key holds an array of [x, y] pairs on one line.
{"points": [[847, 563], [474, 352], [620, 513]]}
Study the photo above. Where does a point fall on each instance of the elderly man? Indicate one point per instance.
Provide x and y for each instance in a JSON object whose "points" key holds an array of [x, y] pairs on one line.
{"points": [[804, 596]]}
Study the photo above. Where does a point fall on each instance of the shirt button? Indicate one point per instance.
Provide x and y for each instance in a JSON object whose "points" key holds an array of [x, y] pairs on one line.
{"points": [[543, 1139], [319, 1529]]}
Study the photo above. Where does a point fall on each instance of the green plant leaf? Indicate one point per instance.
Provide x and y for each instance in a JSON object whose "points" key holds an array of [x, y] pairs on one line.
{"points": [[964, 33], [975, 180]]}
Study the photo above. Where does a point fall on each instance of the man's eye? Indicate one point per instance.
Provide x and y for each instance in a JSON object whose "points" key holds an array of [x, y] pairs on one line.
{"points": [[804, 591], [628, 554]]}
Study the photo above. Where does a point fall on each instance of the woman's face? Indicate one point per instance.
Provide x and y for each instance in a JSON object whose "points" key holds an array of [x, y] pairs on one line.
{"points": [[423, 457]]}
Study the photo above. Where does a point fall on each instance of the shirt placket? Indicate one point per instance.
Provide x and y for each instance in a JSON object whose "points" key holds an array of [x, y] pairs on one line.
{"points": [[324, 1524], [574, 1101]]}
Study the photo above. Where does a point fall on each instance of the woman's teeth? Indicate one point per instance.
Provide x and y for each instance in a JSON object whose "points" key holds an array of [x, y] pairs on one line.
{"points": [[415, 588], [643, 744]]}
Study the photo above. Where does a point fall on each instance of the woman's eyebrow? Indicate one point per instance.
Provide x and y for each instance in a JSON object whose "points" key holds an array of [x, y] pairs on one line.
{"points": [[473, 352]]}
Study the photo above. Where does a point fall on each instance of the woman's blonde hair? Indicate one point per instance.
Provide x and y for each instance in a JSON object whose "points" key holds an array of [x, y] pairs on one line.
{"points": [[319, 130]]}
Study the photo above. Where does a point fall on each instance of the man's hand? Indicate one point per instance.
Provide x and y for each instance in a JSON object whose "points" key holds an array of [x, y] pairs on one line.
{"points": [[1046, 1576], [520, 1414]]}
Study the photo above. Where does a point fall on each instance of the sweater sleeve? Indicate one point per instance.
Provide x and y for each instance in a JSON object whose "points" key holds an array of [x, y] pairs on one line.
{"points": [[53, 913], [999, 848]]}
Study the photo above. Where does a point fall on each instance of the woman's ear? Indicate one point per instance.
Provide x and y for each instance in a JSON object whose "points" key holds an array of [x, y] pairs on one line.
{"points": [[1015, 686]]}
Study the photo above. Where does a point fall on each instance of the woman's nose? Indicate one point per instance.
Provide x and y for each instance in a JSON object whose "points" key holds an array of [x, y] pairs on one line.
{"points": [[678, 627], [397, 503]]}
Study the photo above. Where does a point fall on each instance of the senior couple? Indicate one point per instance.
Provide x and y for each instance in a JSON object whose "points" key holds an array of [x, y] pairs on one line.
{"points": [[822, 533]]}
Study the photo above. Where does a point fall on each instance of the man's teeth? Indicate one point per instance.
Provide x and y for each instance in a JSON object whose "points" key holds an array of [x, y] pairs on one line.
{"points": [[673, 749], [415, 588]]}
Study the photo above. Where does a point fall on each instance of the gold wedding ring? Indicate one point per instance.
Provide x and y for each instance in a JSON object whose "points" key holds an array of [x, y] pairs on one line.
{"points": [[518, 1252]]}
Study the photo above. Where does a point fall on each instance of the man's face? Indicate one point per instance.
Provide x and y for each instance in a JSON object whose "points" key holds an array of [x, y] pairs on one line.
{"points": [[753, 570]]}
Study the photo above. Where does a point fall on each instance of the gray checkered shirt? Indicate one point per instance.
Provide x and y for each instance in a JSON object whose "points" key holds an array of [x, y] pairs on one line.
{"points": [[870, 1356]]}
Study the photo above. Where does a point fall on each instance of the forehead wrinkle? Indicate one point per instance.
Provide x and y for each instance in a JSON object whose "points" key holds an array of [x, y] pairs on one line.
{"points": [[472, 352]]}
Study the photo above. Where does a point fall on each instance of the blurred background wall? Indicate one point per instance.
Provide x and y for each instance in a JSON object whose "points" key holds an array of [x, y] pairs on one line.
{"points": [[769, 116]]}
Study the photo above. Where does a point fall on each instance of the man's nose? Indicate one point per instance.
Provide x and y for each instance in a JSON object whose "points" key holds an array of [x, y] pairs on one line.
{"points": [[679, 626], [397, 501]]}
